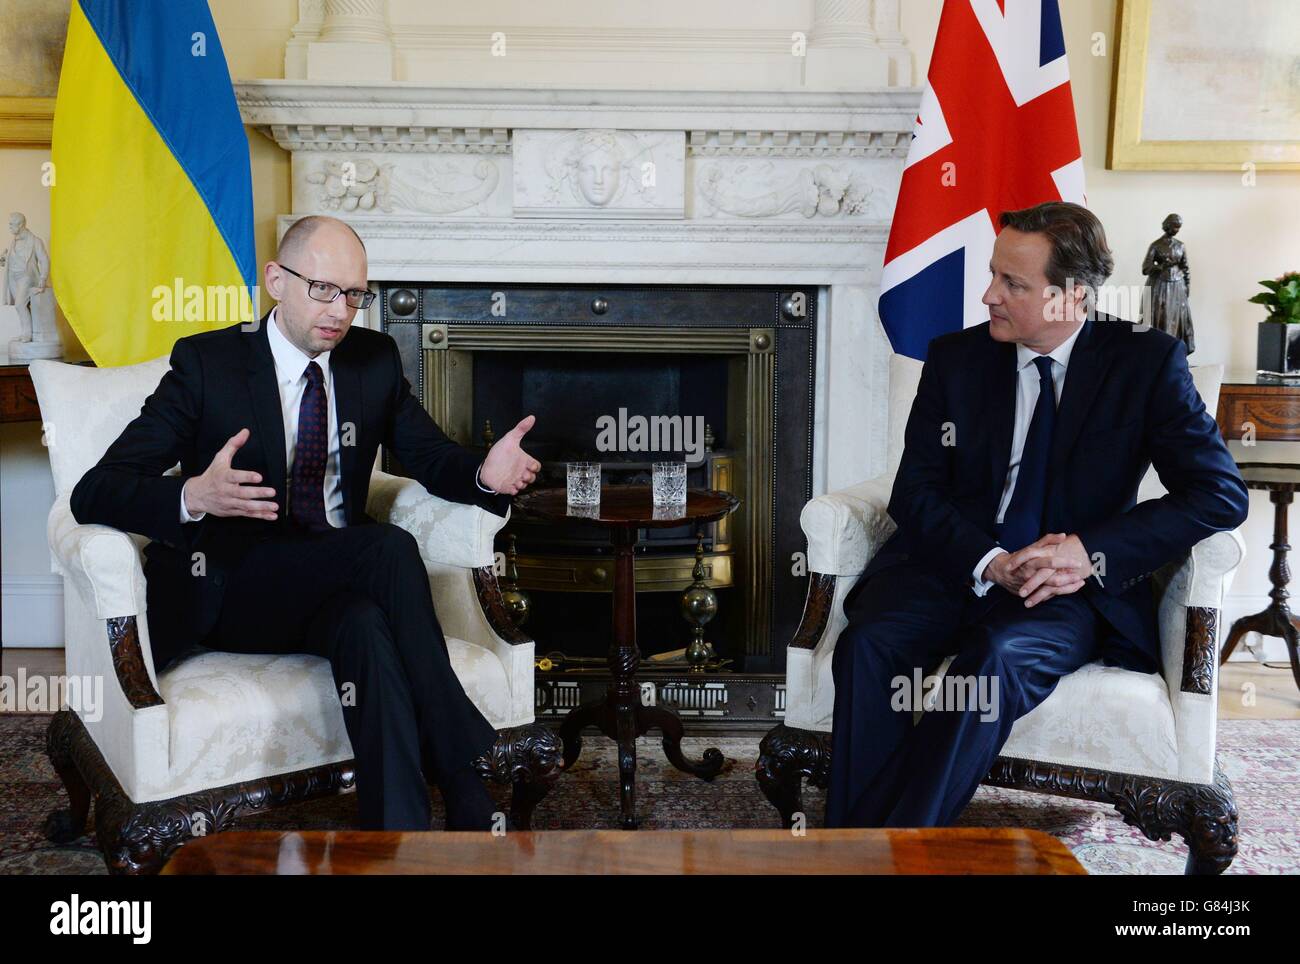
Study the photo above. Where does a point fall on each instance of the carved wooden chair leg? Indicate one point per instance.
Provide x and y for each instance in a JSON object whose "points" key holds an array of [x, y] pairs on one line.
{"points": [[787, 756], [1205, 815], [1211, 827], [64, 826], [530, 759], [139, 839]]}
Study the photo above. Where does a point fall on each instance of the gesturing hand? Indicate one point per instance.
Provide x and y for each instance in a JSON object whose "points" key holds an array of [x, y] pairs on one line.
{"points": [[508, 468], [224, 491]]}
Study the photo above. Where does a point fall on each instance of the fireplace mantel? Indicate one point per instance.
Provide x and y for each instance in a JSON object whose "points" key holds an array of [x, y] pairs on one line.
{"points": [[454, 184], [302, 115]]}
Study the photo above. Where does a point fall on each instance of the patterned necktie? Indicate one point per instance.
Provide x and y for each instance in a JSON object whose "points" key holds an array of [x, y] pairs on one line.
{"points": [[1023, 522], [307, 488]]}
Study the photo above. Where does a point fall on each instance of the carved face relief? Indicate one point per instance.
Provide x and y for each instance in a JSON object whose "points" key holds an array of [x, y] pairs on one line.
{"points": [[16, 223], [599, 170]]}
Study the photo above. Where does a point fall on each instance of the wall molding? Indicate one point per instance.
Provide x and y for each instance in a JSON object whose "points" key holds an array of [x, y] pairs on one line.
{"points": [[33, 611]]}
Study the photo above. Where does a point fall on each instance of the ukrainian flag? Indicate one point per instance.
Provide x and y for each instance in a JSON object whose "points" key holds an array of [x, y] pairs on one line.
{"points": [[152, 201]]}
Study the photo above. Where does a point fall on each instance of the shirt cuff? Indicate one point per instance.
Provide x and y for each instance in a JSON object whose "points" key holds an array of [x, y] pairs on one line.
{"points": [[481, 486], [979, 584], [185, 515]]}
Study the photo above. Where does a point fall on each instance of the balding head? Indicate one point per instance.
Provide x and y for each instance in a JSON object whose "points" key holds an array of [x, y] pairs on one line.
{"points": [[316, 248], [300, 233]]}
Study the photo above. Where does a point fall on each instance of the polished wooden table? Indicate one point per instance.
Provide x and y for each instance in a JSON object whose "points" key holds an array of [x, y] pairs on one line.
{"points": [[620, 714], [932, 850]]}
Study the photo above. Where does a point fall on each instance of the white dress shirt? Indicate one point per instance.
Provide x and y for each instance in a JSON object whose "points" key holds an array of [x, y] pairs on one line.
{"points": [[1026, 398], [291, 378]]}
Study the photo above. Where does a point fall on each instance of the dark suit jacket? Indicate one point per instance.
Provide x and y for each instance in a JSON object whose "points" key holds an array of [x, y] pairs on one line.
{"points": [[222, 381], [1128, 402]]}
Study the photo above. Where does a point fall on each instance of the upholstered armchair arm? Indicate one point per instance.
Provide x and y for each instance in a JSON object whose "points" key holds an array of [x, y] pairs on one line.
{"points": [[844, 530], [103, 563], [456, 543], [1190, 610], [106, 638], [449, 533]]}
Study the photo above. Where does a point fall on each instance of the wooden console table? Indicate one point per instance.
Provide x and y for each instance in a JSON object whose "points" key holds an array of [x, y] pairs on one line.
{"points": [[929, 850]]}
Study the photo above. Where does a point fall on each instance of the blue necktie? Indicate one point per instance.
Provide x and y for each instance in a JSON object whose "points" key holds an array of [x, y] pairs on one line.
{"points": [[1023, 522], [307, 486]]}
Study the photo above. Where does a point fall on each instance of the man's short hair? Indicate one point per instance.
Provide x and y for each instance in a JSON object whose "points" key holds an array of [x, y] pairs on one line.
{"points": [[1080, 254], [299, 233]]}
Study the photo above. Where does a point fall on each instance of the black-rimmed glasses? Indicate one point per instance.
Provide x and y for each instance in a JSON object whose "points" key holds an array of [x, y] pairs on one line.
{"points": [[327, 291]]}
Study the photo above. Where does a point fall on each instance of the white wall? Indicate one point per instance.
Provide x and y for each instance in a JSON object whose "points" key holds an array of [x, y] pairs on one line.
{"points": [[1235, 235], [32, 595]]}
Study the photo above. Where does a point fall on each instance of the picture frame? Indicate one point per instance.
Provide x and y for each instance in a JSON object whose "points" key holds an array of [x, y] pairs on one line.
{"points": [[26, 121], [1176, 94], [32, 39]]}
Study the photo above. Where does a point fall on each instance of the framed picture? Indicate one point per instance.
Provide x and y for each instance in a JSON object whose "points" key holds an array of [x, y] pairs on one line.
{"points": [[1202, 85], [32, 35]]}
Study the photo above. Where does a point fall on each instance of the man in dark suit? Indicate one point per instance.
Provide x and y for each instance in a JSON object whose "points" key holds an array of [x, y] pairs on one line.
{"points": [[262, 544], [1020, 545]]}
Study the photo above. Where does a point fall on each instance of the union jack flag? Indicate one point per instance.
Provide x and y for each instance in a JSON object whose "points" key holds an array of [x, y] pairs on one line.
{"points": [[996, 132]]}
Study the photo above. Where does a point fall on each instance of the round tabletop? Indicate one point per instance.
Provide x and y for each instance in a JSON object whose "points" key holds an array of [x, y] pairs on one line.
{"points": [[625, 506], [1274, 476]]}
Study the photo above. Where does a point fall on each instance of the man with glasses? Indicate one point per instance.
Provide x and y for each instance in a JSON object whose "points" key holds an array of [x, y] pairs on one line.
{"points": [[262, 544]]}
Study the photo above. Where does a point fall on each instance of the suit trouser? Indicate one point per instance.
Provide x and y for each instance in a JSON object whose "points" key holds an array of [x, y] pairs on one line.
{"points": [[360, 597], [885, 772]]}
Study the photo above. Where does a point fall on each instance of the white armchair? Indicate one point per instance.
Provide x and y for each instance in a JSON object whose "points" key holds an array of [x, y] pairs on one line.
{"points": [[220, 734], [1142, 742]]}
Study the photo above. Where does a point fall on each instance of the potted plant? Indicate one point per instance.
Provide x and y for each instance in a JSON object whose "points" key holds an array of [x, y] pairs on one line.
{"points": [[1278, 347]]}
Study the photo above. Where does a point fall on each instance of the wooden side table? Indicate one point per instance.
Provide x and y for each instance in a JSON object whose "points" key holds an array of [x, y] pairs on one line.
{"points": [[17, 395], [1269, 407], [1280, 480], [1269, 403], [620, 714]]}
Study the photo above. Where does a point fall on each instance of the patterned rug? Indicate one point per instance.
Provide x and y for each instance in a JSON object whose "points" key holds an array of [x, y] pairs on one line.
{"points": [[1260, 757]]}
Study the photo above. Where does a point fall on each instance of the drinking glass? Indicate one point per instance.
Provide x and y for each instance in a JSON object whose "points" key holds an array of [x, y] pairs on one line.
{"points": [[584, 483], [668, 484]]}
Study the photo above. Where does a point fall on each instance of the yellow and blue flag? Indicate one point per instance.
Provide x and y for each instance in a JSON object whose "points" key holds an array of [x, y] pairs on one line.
{"points": [[152, 202]]}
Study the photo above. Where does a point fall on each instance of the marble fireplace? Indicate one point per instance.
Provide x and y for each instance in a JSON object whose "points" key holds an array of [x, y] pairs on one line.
{"points": [[787, 187]]}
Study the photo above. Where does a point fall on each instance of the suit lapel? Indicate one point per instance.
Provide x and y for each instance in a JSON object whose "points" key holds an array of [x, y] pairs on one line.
{"points": [[347, 402], [1088, 364], [1000, 416], [267, 409]]}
